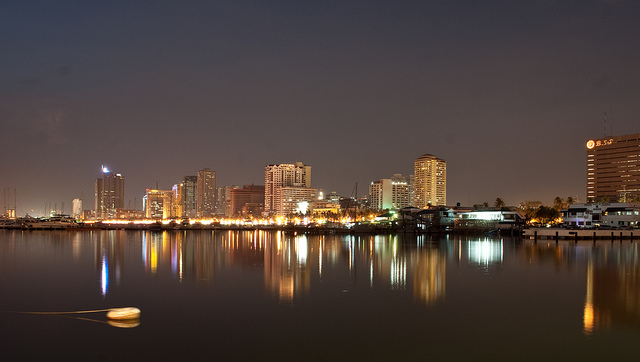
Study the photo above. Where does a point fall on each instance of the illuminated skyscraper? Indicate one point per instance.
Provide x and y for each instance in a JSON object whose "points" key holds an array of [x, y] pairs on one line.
{"points": [[430, 184], [109, 194], [613, 169], [284, 175], [206, 193], [189, 192]]}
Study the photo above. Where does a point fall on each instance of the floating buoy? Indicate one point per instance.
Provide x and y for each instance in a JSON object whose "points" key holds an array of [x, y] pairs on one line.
{"points": [[126, 313]]}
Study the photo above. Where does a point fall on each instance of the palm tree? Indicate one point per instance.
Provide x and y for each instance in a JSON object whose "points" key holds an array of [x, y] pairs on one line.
{"points": [[570, 201], [558, 203], [499, 204]]}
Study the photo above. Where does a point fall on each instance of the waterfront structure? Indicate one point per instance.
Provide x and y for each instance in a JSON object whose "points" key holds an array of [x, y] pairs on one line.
{"points": [[430, 182], [109, 194], [277, 177], [613, 169], [189, 192], [157, 204], [206, 193], [391, 193], [616, 215], [249, 200]]}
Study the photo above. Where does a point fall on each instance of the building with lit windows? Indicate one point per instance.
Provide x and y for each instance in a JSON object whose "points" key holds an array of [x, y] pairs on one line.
{"points": [[109, 194], [189, 192], [394, 193], [157, 204], [613, 169], [615, 215], [277, 177], [206, 193], [430, 181], [295, 199]]}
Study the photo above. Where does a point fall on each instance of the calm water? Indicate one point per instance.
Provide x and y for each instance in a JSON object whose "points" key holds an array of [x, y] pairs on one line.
{"points": [[273, 296]]}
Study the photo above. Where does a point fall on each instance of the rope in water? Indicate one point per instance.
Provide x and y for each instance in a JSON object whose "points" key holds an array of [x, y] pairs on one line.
{"points": [[112, 313], [73, 312]]}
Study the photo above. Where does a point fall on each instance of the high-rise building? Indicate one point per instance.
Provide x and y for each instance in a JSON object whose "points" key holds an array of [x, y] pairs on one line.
{"points": [[276, 177], [206, 193], [177, 201], [391, 193], [613, 169], [430, 183], [189, 192], [109, 194]]}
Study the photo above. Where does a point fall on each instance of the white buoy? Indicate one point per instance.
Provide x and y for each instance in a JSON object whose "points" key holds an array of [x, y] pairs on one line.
{"points": [[126, 313]]}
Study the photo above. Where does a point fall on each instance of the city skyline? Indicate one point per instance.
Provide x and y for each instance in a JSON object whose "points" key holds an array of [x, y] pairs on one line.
{"points": [[508, 93]]}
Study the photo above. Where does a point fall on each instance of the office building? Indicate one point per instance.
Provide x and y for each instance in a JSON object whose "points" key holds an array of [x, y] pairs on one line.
{"points": [[276, 177], [613, 169], [430, 181], [249, 200], [206, 193], [109, 194]]}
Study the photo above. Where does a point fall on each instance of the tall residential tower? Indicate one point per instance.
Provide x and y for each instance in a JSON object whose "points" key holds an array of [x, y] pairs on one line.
{"points": [[430, 184], [206, 193]]}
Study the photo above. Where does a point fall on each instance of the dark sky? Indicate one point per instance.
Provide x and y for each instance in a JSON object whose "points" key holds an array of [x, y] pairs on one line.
{"points": [[507, 92]]}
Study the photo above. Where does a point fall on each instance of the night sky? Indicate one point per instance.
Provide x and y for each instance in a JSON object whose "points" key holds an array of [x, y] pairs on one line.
{"points": [[507, 92]]}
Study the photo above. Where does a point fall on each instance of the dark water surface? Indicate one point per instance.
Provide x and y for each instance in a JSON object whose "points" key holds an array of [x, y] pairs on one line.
{"points": [[272, 296]]}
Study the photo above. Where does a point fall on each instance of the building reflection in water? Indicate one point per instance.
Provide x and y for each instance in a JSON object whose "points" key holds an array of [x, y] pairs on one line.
{"points": [[429, 274], [612, 288], [289, 261], [109, 258], [286, 272], [486, 253]]}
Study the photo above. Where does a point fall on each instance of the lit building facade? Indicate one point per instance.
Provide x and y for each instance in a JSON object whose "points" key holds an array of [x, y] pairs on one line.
{"points": [[177, 201], [613, 169], [616, 215], [189, 192], [294, 199], [276, 177], [394, 193], [157, 204], [206, 193], [109, 194], [430, 181]]}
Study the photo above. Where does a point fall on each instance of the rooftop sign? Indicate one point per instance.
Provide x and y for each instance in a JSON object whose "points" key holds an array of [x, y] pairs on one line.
{"points": [[592, 144]]}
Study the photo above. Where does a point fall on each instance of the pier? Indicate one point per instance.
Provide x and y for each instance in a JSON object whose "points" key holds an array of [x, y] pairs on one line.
{"points": [[581, 234]]}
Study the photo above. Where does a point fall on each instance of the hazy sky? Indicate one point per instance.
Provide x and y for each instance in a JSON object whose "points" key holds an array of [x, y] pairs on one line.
{"points": [[507, 92]]}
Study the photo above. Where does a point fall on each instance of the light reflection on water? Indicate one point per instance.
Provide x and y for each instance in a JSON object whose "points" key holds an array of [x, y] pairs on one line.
{"points": [[450, 284]]}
